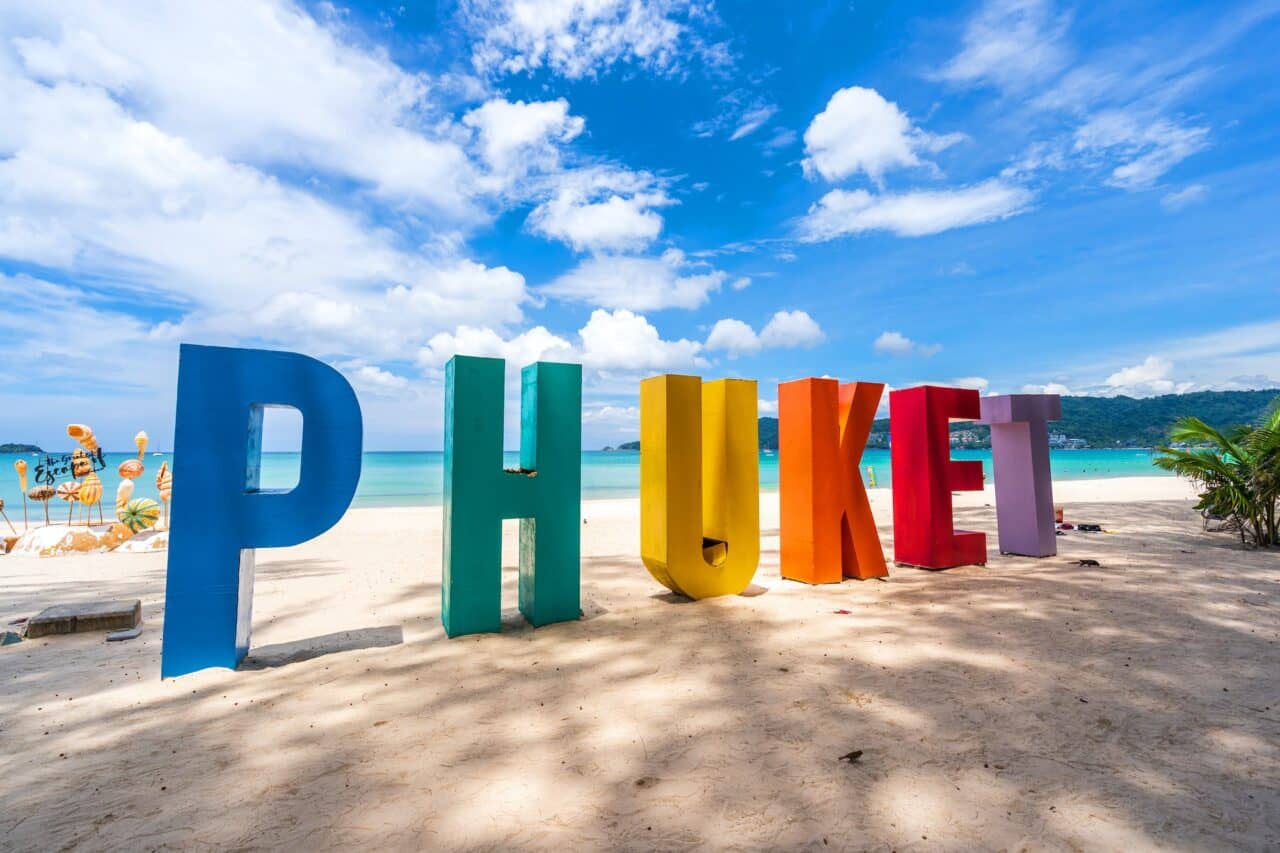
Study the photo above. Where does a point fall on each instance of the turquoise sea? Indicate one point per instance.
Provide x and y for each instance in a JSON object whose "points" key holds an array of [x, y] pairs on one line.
{"points": [[415, 478]]}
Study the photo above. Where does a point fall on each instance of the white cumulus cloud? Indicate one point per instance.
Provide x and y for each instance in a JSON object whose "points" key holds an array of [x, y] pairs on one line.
{"points": [[1047, 388], [624, 341], [273, 86], [602, 209], [733, 336], [860, 131], [1152, 376], [373, 380], [516, 135], [977, 383], [791, 329], [638, 283], [536, 344], [579, 39], [123, 158], [898, 344], [785, 329]]}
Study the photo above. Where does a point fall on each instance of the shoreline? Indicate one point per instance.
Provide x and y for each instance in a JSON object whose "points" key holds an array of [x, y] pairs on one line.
{"points": [[416, 478], [1098, 491], [1149, 487], [1135, 487]]}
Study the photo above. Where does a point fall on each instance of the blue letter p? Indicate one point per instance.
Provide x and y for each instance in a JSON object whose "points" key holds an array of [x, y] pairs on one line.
{"points": [[219, 515]]}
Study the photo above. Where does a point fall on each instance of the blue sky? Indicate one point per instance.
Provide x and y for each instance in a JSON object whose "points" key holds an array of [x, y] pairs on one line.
{"points": [[1014, 195]]}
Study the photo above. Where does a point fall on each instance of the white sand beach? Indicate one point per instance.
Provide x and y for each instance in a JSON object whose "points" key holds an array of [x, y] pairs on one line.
{"points": [[1028, 704]]}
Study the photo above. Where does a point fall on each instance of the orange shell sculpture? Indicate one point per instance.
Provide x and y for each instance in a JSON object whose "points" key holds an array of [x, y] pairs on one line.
{"points": [[164, 482], [42, 493], [130, 469], [91, 490], [81, 465], [84, 436]]}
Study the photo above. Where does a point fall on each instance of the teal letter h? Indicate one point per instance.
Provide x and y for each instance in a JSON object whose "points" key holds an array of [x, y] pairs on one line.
{"points": [[545, 493]]}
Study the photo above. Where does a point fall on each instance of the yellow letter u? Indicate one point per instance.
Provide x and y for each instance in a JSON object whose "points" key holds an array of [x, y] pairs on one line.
{"points": [[699, 484]]}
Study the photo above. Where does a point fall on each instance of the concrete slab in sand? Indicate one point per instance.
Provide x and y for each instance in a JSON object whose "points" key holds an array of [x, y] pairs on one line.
{"points": [[85, 616]]}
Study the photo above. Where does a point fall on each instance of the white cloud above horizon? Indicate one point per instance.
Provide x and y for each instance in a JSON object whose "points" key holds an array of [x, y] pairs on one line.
{"points": [[1114, 114], [638, 283], [860, 131], [291, 90], [917, 213], [602, 209], [1185, 197], [578, 40], [897, 344], [626, 342], [785, 330], [1011, 44], [517, 137], [532, 179]]}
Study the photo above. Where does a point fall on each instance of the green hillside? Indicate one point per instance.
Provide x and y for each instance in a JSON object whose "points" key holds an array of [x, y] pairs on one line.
{"points": [[1120, 421], [1124, 420], [1104, 421]]}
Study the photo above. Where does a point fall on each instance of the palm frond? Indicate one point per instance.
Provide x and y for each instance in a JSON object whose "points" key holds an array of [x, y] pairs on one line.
{"points": [[1192, 430]]}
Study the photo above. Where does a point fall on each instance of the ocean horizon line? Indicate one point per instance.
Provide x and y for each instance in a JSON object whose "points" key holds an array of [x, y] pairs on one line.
{"points": [[416, 477]]}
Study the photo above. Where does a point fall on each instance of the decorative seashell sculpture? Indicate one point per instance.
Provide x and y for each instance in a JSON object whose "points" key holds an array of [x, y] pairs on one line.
{"points": [[140, 514], [21, 467], [84, 436], [69, 492], [124, 492], [43, 494], [131, 469], [164, 485], [91, 493], [81, 464], [141, 441]]}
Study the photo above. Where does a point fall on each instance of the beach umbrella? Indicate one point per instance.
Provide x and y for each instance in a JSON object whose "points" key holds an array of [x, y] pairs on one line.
{"points": [[21, 467], [140, 514], [164, 484], [43, 494], [6, 518], [90, 494], [141, 441]]}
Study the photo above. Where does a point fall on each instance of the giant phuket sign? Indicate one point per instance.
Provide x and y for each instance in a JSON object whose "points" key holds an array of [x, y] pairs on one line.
{"points": [[699, 486]]}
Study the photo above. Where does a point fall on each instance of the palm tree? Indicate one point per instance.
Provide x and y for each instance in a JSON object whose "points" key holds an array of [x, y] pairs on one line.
{"points": [[1238, 471]]}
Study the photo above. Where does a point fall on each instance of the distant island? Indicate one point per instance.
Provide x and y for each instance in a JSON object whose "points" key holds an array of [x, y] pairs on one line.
{"points": [[20, 448], [1092, 421]]}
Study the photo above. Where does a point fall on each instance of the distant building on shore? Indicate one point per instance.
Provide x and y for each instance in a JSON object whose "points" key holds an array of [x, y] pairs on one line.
{"points": [[969, 438], [1060, 441]]}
